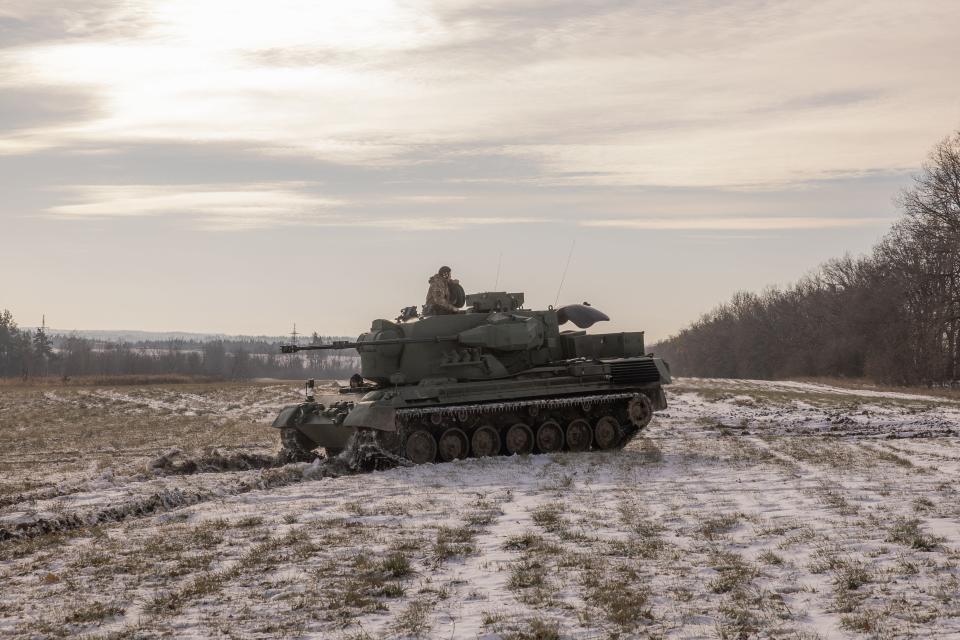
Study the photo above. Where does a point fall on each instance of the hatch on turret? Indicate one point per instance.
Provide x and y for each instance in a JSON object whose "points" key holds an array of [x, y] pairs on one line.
{"points": [[494, 301]]}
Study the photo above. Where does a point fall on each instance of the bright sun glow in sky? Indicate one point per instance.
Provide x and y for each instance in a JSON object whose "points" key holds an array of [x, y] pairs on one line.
{"points": [[204, 164]]}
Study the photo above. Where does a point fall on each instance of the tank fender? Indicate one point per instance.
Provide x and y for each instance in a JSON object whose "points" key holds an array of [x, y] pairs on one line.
{"points": [[298, 415], [322, 430], [325, 432], [372, 415], [287, 416], [664, 368]]}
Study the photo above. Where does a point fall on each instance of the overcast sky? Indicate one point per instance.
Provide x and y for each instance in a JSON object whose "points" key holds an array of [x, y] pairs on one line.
{"points": [[230, 166]]}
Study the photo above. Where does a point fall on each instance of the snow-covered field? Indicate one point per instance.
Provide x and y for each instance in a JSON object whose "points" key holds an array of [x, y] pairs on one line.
{"points": [[749, 509]]}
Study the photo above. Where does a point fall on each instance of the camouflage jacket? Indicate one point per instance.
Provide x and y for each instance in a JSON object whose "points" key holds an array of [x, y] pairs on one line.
{"points": [[438, 295]]}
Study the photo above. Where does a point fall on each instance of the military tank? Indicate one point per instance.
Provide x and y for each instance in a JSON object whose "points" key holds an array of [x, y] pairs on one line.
{"points": [[492, 379]]}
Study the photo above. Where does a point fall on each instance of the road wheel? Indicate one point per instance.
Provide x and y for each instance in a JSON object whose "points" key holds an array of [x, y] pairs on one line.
{"points": [[579, 435], [453, 445], [420, 447], [485, 442], [640, 411], [607, 432], [549, 437], [519, 439]]}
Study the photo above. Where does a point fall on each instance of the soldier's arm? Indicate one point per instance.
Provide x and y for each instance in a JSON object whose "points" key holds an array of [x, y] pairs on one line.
{"points": [[435, 294]]}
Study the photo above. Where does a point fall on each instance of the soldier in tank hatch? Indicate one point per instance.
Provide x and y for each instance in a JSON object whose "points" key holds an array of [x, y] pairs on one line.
{"points": [[438, 295]]}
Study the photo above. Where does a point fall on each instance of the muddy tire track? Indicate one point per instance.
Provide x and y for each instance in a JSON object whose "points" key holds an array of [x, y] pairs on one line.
{"points": [[167, 499], [172, 463], [358, 458]]}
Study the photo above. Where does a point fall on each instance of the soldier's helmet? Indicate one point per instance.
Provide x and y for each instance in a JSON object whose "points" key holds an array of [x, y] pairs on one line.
{"points": [[444, 270]]}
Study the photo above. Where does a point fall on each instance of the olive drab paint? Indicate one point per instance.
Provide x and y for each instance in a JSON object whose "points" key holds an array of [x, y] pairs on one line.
{"points": [[427, 372]]}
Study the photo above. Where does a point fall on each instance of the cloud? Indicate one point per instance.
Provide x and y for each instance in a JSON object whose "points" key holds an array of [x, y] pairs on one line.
{"points": [[218, 206], [829, 99], [29, 22], [223, 207], [599, 93], [736, 224], [31, 107], [432, 223], [512, 124], [258, 206]]}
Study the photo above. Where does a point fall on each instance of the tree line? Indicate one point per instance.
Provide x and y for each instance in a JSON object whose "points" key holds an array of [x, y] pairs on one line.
{"points": [[892, 316], [34, 353]]}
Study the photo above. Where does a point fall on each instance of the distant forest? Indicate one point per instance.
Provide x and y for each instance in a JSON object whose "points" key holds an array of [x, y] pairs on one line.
{"points": [[892, 316], [32, 353]]}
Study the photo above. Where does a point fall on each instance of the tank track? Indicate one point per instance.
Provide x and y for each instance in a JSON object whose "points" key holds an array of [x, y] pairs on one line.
{"points": [[492, 407], [577, 423], [295, 447]]}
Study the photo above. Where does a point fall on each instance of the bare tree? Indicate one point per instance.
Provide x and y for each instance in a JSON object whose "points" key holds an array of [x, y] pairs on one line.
{"points": [[893, 315]]}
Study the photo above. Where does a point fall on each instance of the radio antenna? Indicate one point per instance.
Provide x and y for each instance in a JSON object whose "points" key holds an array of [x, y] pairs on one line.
{"points": [[499, 260], [564, 277]]}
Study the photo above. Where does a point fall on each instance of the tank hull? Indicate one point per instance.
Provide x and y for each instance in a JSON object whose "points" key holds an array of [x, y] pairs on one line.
{"points": [[545, 409]]}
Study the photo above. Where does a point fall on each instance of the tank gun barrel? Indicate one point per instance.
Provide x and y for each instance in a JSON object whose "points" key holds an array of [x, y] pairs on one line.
{"points": [[344, 344]]}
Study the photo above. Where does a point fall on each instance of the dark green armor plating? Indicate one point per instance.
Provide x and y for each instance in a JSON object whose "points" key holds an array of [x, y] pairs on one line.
{"points": [[493, 379]]}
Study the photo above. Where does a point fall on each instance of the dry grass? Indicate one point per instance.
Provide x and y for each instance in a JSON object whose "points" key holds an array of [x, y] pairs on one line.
{"points": [[397, 565], [748, 395], [728, 537], [413, 621], [452, 542], [861, 384], [909, 532], [532, 629], [94, 612], [108, 381], [530, 574], [733, 572], [762, 397], [718, 524], [112, 427], [621, 593]]}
